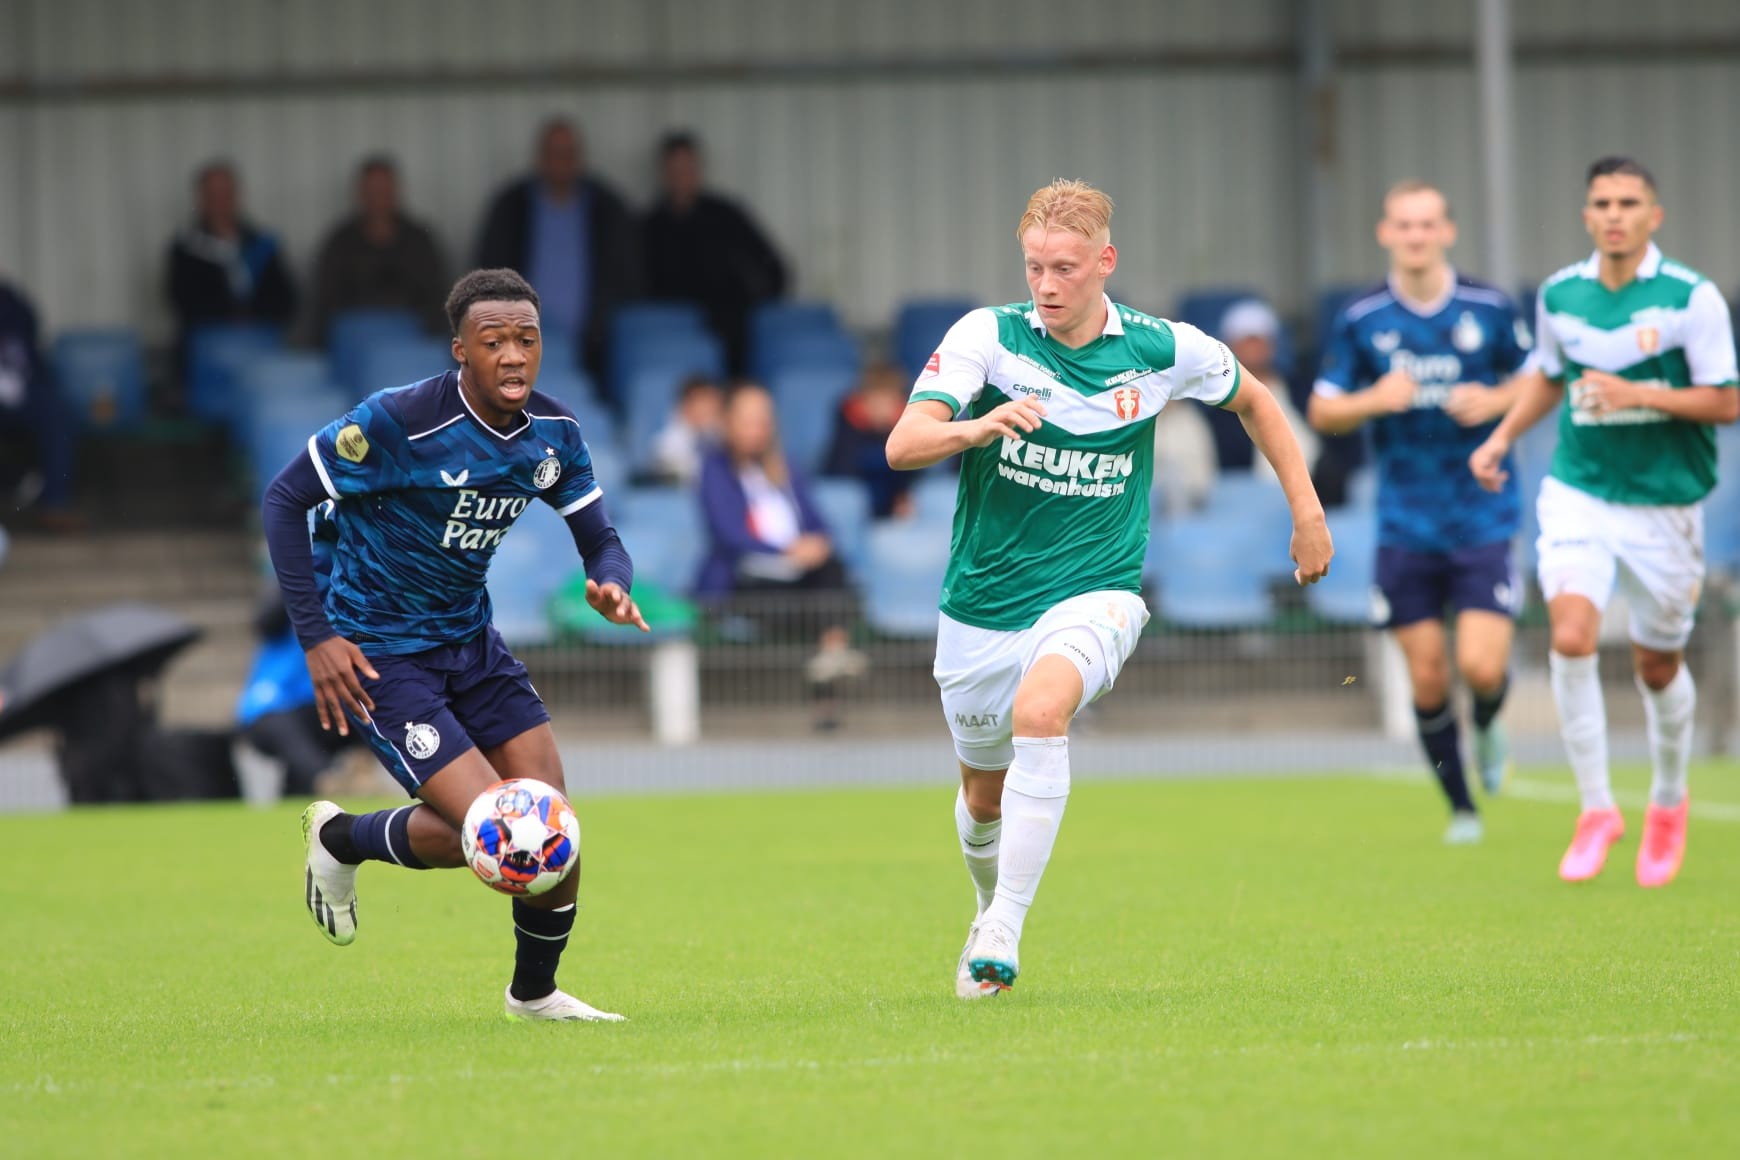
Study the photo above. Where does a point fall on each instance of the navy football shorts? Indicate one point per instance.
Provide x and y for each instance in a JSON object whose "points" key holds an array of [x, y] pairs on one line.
{"points": [[1420, 586], [432, 706]]}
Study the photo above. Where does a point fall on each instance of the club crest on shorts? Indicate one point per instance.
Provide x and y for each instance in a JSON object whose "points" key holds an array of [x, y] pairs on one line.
{"points": [[547, 471], [1129, 402], [421, 741]]}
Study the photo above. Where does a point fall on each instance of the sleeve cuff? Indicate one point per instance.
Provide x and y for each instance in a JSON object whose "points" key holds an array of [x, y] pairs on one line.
{"points": [[953, 404], [1238, 381]]}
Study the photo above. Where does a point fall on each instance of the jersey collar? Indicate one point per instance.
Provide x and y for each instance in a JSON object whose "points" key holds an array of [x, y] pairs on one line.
{"points": [[1648, 268], [1428, 309], [504, 436], [1114, 324]]}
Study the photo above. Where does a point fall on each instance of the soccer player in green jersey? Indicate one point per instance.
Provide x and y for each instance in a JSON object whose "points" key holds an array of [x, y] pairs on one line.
{"points": [[1051, 405], [1646, 351]]}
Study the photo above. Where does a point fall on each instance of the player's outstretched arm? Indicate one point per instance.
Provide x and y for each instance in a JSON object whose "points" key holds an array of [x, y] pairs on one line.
{"points": [[336, 667], [925, 435], [1536, 396], [1266, 424], [614, 605]]}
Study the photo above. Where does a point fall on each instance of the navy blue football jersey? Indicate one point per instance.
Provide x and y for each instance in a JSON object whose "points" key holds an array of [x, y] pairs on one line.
{"points": [[423, 491], [1428, 500]]}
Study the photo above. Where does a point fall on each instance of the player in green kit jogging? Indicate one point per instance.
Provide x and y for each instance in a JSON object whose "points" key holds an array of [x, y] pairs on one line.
{"points": [[1051, 405], [1646, 349]]}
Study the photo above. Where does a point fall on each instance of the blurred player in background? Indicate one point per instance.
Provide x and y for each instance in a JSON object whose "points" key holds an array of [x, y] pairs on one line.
{"points": [[1646, 348], [1426, 358], [1041, 604], [423, 483]]}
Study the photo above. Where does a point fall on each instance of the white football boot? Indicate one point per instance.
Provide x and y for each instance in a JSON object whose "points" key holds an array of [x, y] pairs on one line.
{"points": [[994, 956], [558, 1006], [329, 886], [967, 987]]}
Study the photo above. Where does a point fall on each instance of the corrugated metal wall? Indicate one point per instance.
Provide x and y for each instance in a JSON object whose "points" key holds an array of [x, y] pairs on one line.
{"points": [[888, 147]]}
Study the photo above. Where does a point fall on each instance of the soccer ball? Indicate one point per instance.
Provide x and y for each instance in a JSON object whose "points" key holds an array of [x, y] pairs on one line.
{"points": [[521, 836]]}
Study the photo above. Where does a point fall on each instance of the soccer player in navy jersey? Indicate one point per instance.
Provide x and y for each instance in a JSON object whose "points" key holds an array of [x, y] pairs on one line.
{"points": [[418, 485], [1428, 359]]}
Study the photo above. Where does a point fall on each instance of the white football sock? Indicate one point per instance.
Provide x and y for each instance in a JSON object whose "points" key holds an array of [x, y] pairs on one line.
{"points": [[1035, 790], [1669, 713], [1583, 725], [979, 847]]}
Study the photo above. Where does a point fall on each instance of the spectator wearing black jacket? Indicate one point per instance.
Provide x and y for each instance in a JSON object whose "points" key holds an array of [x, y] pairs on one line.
{"points": [[705, 248], [571, 237], [222, 267]]}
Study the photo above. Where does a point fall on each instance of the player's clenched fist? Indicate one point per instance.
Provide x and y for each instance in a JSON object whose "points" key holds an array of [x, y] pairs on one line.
{"points": [[1487, 464], [1311, 550]]}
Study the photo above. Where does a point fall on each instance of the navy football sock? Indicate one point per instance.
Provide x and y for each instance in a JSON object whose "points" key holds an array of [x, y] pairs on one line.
{"points": [[541, 937], [1443, 744], [1486, 708], [383, 836]]}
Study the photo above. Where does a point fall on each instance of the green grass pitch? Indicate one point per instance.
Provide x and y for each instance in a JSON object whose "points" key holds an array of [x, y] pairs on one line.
{"points": [[1215, 968]]}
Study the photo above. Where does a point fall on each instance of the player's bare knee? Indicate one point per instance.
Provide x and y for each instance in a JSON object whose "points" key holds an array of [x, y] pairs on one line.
{"points": [[1656, 669], [1042, 713], [1431, 686], [984, 794], [1483, 674], [1575, 639]]}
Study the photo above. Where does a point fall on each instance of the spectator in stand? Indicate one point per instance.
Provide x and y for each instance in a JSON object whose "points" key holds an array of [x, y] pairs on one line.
{"points": [[705, 248], [379, 258], [32, 410], [1251, 329], [765, 536], [859, 449], [689, 435], [222, 267], [571, 237]]}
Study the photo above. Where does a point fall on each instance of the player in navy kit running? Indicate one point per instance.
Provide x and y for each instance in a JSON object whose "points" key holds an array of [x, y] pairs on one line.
{"points": [[1427, 358], [417, 486]]}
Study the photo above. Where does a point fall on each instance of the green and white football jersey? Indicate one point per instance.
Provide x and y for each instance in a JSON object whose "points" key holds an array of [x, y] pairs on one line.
{"points": [[1064, 510], [1667, 328]]}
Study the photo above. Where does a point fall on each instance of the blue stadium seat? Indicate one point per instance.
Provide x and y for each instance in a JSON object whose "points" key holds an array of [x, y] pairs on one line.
{"points": [[907, 561], [661, 527], [934, 496], [652, 379], [806, 400], [1531, 458], [399, 362], [1251, 512], [1722, 506], [845, 508], [351, 333], [641, 320], [609, 469], [573, 390], [1330, 302], [102, 376], [775, 318], [1345, 595], [278, 428], [806, 350], [1204, 575], [534, 559], [289, 376], [919, 327], [216, 355]]}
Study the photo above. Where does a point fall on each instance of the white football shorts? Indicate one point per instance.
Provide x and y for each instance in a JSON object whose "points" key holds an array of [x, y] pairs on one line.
{"points": [[979, 669], [1654, 553]]}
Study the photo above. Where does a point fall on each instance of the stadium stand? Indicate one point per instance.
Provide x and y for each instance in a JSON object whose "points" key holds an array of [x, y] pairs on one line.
{"points": [[102, 377], [353, 333], [919, 327], [845, 508], [908, 561]]}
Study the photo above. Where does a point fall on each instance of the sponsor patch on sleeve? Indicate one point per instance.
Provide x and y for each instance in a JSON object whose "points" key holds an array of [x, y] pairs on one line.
{"points": [[932, 366], [352, 444]]}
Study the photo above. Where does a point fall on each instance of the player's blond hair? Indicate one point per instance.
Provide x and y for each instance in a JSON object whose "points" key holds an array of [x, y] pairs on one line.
{"points": [[1067, 204], [1414, 185]]}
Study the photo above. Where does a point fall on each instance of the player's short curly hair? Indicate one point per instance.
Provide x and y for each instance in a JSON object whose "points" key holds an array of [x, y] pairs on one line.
{"points": [[1070, 205], [500, 285]]}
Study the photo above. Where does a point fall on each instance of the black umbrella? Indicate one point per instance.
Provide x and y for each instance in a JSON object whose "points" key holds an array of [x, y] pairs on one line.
{"points": [[135, 638]]}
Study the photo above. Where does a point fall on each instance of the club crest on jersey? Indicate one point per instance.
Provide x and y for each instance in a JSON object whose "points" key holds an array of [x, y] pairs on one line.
{"points": [[548, 471], [932, 365], [421, 741], [1129, 402], [351, 444], [1467, 335], [1648, 339]]}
